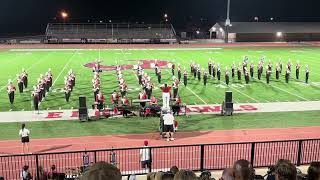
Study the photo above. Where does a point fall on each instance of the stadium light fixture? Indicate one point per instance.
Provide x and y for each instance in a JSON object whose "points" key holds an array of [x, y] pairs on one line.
{"points": [[165, 15], [64, 15], [198, 32], [279, 34]]}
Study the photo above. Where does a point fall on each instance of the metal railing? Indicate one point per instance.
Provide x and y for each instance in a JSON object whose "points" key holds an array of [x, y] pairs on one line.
{"points": [[194, 157]]}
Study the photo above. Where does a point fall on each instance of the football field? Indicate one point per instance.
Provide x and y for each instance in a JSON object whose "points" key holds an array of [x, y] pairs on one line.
{"points": [[38, 61]]}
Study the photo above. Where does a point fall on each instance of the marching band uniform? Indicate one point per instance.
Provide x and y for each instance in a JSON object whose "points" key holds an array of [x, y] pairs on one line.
{"points": [[140, 77], [35, 95], [159, 76], [205, 77], [210, 67], [214, 70], [277, 72], [156, 68], [114, 98], [218, 73], [96, 88], [297, 71], [287, 75], [239, 73], [268, 73], [179, 73], [100, 100], [172, 69], [307, 73], [125, 104], [251, 70], [50, 78], [177, 106], [227, 77], [246, 77], [67, 91], [289, 65], [194, 71], [185, 78], [175, 86], [142, 95], [20, 83], [259, 71], [149, 90], [11, 89], [199, 73], [123, 89], [233, 69], [280, 66], [165, 96], [25, 78]]}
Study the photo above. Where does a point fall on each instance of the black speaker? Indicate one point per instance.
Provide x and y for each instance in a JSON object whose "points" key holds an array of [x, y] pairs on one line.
{"points": [[228, 97], [229, 105], [83, 114], [82, 102]]}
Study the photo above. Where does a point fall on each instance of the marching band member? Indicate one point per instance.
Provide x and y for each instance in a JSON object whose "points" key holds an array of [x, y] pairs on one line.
{"points": [[25, 78], [259, 70], [194, 71], [36, 100], [123, 89], [287, 74], [156, 68], [213, 70], [227, 76], [20, 83], [239, 73], [142, 96], [50, 77], [175, 87], [100, 101], [139, 72], [115, 98], [11, 89], [277, 71], [251, 69], [173, 66], [185, 77], [179, 73], [159, 75], [199, 72], [307, 73], [280, 66], [268, 74], [96, 89], [246, 76], [233, 68], [210, 66], [289, 65], [67, 91], [218, 72], [165, 96], [125, 105], [148, 89], [177, 106], [205, 77], [297, 70]]}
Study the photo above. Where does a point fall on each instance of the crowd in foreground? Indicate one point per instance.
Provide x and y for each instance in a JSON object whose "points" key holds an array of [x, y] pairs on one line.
{"points": [[241, 170]]}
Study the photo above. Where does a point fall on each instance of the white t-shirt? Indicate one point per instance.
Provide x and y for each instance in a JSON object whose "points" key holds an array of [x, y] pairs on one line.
{"points": [[145, 153], [168, 119], [24, 132]]}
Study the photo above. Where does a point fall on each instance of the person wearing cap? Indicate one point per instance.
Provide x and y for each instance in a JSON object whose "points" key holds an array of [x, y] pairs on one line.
{"points": [[145, 155], [168, 120], [11, 89]]}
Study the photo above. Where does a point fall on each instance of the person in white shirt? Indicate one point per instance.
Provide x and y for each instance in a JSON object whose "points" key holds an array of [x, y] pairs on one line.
{"points": [[145, 157], [24, 134], [168, 120]]}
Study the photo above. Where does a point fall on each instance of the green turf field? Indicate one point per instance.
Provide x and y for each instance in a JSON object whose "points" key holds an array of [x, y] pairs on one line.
{"points": [[37, 62], [51, 129]]}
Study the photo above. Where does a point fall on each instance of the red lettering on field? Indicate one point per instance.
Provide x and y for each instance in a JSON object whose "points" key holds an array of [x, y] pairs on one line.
{"points": [[204, 109], [248, 108], [54, 115], [75, 114]]}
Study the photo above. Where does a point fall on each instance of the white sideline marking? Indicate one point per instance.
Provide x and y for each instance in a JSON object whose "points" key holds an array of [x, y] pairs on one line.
{"points": [[63, 69], [285, 91], [196, 95], [243, 93]]}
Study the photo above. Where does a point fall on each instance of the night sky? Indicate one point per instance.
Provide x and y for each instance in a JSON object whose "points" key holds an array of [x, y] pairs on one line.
{"points": [[31, 16]]}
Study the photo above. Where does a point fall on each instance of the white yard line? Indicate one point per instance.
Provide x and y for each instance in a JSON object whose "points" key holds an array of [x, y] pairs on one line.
{"points": [[196, 95], [285, 91], [29, 68], [242, 93], [65, 66]]}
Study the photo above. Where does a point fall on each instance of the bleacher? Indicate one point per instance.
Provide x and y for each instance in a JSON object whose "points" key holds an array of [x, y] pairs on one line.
{"points": [[110, 33]]}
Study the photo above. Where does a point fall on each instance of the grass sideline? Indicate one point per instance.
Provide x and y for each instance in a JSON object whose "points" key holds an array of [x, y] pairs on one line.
{"points": [[72, 128], [60, 61]]}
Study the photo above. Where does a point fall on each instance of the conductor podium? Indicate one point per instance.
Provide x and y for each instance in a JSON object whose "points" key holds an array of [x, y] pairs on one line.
{"points": [[83, 110], [227, 105]]}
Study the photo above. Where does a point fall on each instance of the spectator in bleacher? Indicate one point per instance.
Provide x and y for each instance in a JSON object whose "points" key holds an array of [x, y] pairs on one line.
{"points": [[53, 174], [42, 174], [227, 174], [174, 169], [314, 171], [285, 170], [145, 155], [102, 171], [26, 175], [24, 134], [243, 170], [185, 175]]}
